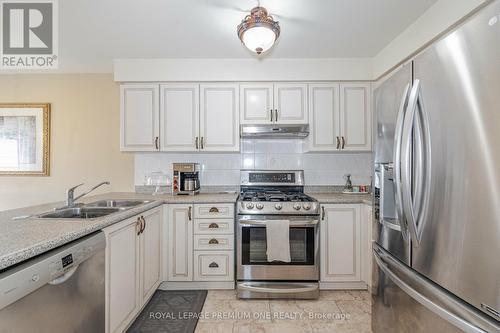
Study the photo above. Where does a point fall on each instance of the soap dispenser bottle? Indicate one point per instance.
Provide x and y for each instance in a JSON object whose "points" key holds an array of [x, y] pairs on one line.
{"points": [[348, 183]]}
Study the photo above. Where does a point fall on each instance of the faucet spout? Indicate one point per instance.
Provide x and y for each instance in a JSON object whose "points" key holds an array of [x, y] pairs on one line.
{"points": [[70, 201]]}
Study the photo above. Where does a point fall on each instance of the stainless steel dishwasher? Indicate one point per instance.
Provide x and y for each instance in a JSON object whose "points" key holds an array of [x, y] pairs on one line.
{"points": [[59, 291]]}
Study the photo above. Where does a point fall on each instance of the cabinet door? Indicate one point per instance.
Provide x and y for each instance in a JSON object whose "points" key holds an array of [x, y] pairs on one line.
{"points": [[151, 258], [256, 103], [355, 116], [219, 117], [123, 276], [180, 243], [179, 114], [290, 102], [341, 244], [324, 117], [139, 117]]}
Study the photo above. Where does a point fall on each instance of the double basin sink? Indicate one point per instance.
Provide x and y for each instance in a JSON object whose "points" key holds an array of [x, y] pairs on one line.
{"points": [[92, 210]]}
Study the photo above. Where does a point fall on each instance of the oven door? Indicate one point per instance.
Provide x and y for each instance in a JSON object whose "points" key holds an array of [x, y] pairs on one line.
{"points": [[252, 261]]}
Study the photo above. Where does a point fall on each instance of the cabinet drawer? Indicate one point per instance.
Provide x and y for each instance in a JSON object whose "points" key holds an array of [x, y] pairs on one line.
{"points": [[214, 211], [213, 266], [213, 242], [214, 226]]}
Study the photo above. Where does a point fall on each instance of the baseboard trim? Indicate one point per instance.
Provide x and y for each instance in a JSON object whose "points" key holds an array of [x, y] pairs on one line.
{"points": [[195, 285], [342, 285]]}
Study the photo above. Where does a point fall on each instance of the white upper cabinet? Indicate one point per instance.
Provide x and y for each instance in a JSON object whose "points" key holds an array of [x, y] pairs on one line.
{"points": [[256, 103], [278, 103], [179, 116], [139, 117], [219, 117], [290, 103], [355, 116], [324, 116], [340, 117], [193, 117]]}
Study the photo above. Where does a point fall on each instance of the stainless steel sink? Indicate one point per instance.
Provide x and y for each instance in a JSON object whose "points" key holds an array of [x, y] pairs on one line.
{"points": [[117, 203], [79, 213]]}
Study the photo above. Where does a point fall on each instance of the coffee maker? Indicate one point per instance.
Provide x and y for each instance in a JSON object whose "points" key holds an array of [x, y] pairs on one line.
{"points": [[186, 178]]}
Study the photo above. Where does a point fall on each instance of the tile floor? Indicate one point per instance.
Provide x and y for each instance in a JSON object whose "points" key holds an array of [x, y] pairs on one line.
{"points": [[334, 311]]}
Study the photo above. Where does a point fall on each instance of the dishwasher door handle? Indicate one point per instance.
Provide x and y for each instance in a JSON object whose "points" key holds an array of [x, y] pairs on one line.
{"points": [[65, 277]]}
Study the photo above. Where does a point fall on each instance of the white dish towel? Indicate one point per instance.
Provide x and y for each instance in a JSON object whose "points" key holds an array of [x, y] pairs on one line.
{"points": [[278, 240]]}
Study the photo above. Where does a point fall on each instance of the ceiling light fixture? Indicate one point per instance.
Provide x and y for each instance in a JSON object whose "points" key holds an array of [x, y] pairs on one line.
{"points": [[258, 31]]}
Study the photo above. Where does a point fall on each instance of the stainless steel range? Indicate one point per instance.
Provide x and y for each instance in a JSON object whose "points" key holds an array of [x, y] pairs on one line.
{"points": [[268, 196]]}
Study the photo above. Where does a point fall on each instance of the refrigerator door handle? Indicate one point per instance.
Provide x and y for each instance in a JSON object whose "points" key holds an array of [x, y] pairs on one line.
{"points": [[444, 306], [397, 162], [416, 220]]}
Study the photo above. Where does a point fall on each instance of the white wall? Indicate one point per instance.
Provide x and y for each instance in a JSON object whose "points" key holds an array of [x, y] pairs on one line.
{"points": [[224, 169], [437, 19], [266, 69]]}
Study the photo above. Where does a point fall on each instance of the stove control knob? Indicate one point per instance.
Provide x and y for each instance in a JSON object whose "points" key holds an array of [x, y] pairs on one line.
{"points": [[307, 206], [259, 206], [278, 206], [250, 205], [296, 206]]}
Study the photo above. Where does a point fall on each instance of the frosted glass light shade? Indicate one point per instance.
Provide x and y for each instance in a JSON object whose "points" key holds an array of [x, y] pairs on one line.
{"points": [[259, 39]]}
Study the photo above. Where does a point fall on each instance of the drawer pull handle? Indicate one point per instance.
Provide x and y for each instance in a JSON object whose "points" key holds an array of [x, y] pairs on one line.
{"points": [[213, 265], [213, 226], [213, 241], [214, 210]]}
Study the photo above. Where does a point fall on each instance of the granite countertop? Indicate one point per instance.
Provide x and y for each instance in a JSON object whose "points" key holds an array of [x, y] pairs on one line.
{"points": [[21, 239], [342, 198]]}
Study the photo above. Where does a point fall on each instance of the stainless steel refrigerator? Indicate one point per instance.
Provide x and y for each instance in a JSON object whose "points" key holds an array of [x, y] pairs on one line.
{"points": [[437, 186]]}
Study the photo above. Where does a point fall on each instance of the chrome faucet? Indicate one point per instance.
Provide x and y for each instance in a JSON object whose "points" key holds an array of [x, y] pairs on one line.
{"points": [[70, 193]]}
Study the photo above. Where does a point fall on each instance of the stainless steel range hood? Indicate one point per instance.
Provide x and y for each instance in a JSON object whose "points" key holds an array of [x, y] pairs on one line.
{"points": [[274, 131]]}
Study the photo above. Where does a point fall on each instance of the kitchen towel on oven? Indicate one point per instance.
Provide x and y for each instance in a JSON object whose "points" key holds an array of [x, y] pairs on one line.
{"points": [[278, 240]]}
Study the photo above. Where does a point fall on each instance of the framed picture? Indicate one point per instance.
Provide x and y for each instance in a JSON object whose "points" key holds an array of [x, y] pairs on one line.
{"points": [[24, 139]]}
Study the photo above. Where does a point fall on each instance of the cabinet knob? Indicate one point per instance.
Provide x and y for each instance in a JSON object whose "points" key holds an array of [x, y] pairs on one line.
{"points": [[157, 145], [214, 210], [189, 213], [213, 241], [213, 265], [213, 226]]}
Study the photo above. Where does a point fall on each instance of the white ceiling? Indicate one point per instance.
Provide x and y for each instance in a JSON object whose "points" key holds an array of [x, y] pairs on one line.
{"points": [[94, 32]]}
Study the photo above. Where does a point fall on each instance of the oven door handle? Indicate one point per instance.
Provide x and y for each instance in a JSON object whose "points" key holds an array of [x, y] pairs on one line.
{"points": [[305, 289], [294, 223]]}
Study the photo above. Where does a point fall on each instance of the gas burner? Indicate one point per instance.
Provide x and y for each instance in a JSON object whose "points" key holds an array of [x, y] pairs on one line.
{"points": [[270, 192], [274, 196]]}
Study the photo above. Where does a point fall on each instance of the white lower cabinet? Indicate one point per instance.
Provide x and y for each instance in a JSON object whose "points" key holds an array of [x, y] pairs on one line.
{"points": [[200, 249], [151, 258], [180, 243], [213, 266], [342, 259], [133, 266]]}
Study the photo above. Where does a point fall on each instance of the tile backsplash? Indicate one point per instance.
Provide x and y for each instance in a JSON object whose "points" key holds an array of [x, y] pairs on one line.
{"points": [[223, 169]]}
